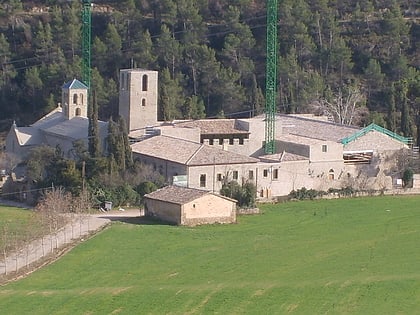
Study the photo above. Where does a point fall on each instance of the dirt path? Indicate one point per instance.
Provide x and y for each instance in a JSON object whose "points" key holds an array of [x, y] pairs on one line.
{"points": [[47, 249]]}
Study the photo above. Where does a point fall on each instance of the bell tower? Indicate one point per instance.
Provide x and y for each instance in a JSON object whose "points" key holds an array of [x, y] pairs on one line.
{"points": [[74, 99], [138, 97]]}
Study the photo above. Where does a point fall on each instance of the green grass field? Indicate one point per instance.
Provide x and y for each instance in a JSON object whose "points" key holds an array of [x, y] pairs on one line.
{"points": [[354, 256], [13, 221]]}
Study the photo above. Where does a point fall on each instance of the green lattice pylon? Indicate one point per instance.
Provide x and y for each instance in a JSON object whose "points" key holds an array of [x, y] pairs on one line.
{"points": [[271, 77], [86, 42]]}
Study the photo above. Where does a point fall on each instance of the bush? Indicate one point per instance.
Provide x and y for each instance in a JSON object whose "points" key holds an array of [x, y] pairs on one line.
{"points": [[303, 193], [245, 194]]}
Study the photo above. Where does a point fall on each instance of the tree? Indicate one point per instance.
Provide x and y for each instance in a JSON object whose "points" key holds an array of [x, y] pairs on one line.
{"points": [[170, 95], [143, 55], [194, 108], [245, 194], [374, 77], [345, 105], [33, 83], [168, 50], [93, 134], [401, 90], [7, 71]]}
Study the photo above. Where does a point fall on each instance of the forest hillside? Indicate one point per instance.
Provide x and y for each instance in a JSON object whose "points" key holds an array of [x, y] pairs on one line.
{"points": [[356, 61]]}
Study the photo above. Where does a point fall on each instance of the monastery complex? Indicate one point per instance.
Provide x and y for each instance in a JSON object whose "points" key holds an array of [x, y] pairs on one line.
{"points": [[311, 151]]}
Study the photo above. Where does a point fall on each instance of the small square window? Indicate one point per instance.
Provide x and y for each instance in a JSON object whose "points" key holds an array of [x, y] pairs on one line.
{"points": [[324, 148], [219, 177]]}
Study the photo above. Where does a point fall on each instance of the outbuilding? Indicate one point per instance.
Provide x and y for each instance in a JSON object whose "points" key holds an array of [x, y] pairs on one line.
{"points": [[190, 206]]}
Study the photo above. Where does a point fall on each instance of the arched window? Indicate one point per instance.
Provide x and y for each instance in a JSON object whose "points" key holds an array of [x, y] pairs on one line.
{"points": [[81, 98], [143, 102], [75, 98], [331, 174], [78, 112], [144, 83]]}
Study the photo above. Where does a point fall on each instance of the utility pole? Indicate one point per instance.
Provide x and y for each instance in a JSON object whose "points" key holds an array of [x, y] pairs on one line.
{"points": [[271, 77]]}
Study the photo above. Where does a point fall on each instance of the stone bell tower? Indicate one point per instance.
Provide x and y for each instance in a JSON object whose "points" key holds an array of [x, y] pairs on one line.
{"points": [[74, 99], [138, 98]]}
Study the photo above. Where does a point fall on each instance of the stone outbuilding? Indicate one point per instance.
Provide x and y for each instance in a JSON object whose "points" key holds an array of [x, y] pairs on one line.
{"points": [[189, 206]]}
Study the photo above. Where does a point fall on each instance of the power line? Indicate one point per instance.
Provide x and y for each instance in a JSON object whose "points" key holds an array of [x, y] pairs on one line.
{"points": [[48, 53]]}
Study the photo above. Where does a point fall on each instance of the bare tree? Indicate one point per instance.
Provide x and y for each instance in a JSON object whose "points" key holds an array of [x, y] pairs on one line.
{"points": [[54, 203], [344, 107]]}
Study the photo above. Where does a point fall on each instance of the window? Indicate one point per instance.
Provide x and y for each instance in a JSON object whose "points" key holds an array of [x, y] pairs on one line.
{"points": [[275, 173], [265, 173], [144, 83], [203, 180], [331, 174], [324, 148], [211, 141], [220, 141], [251, 174], [235, 175], [75, 98], [143, 102], [219, 177], [231, 141], [81, 98], [78, 112], [241, 141]]}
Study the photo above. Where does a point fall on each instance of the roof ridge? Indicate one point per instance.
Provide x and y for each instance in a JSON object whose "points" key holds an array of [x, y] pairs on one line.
{"points": [[194, 154], [318, 120]]}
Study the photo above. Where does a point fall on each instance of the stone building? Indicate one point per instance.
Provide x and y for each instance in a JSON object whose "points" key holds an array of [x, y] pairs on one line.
{"points": [[188, 206], [59, 128], [311, 152]]}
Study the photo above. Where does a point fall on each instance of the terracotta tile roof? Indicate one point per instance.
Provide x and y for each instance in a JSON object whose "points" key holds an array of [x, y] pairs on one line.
{"points": [[176, 194], [187, 152], [282, 157], [214, 126], [315, 128]]}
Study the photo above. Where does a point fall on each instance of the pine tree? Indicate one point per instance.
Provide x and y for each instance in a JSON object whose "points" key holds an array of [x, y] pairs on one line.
{"points": [[94, 143]]}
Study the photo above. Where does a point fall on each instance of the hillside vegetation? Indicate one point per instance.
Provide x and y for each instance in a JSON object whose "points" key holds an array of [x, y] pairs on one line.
{"points": [[356, 61], [350, 256]]}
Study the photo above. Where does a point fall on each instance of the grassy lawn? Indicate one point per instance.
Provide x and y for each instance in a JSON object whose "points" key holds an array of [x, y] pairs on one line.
{"points": [[355, 256], [13, 221]]}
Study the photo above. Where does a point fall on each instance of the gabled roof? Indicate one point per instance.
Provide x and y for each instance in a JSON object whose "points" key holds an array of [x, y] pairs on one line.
{"points": [[214, 126], [374, 127], [283, 157], [176, 194], [75, 84], [180, 195], [28, 136], [75, 128], [314, 128], [187, 152], [52, 118]]}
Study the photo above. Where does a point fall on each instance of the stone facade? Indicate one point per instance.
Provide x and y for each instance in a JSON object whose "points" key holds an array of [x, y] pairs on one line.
{"points": [[138, 98], [186, 206]]}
